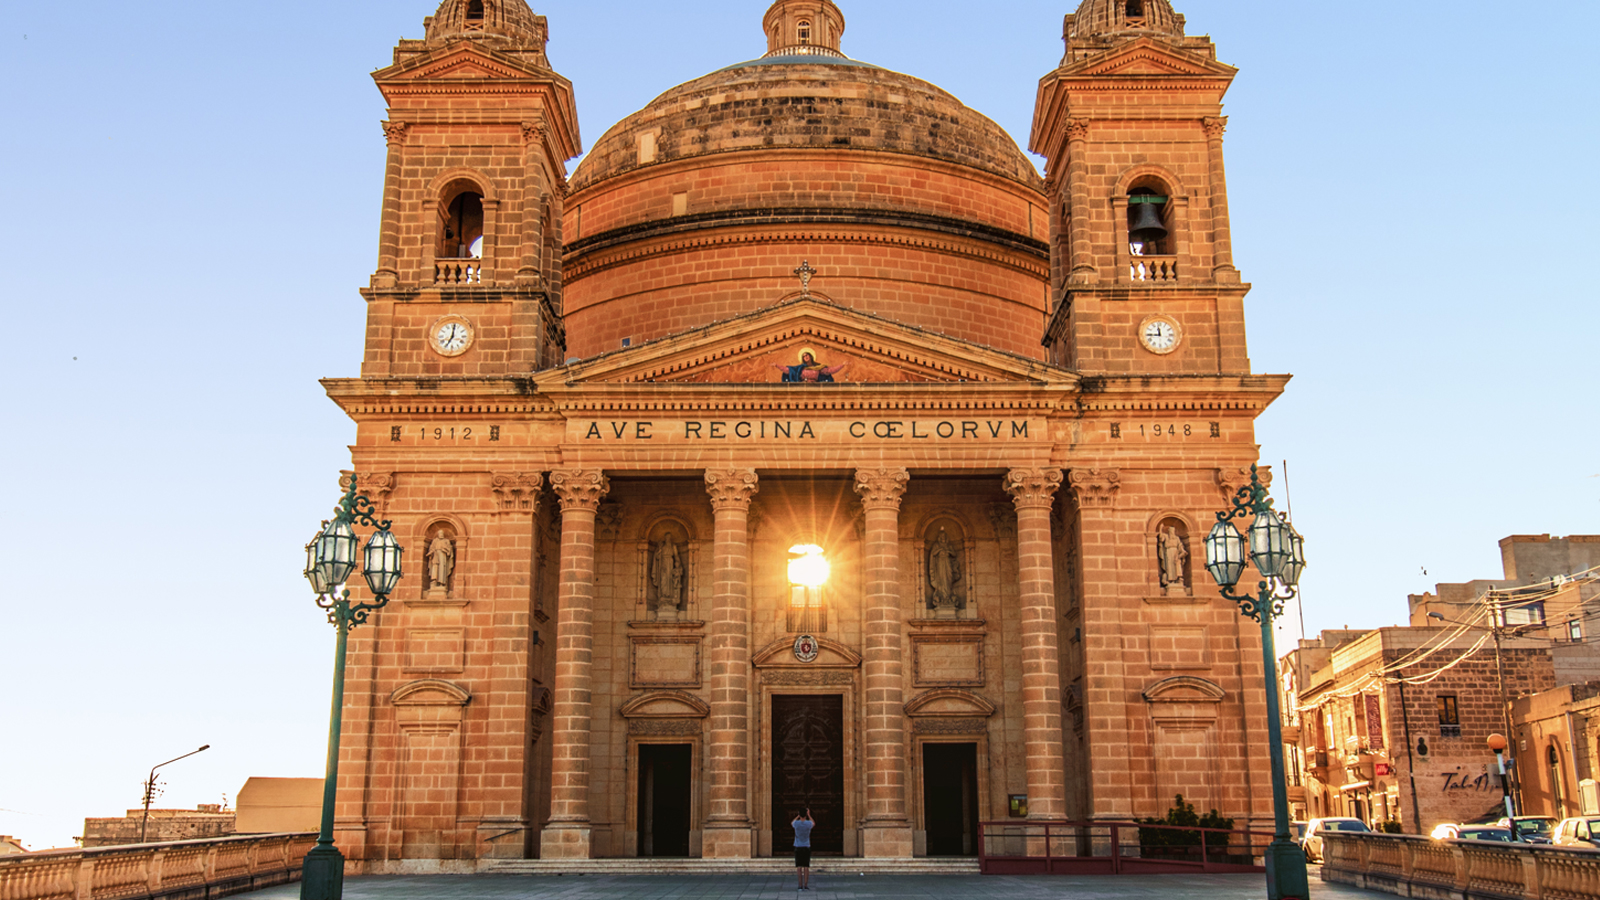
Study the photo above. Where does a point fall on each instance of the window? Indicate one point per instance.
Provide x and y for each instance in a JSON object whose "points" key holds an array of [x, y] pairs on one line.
{"points": [[1524, 614], [1135, 9], [805, 32], [474, 10], [1147, 227], [1575, 630], [1449, 716], [461, 235]]}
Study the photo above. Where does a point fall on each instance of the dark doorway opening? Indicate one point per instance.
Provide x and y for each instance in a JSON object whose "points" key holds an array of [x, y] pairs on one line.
{"points": [[664, 799], [950, 798], [808, 770]]}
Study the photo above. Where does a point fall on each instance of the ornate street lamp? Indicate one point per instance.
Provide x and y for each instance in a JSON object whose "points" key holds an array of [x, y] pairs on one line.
{"points": [[1278, 553], [330, 560]]}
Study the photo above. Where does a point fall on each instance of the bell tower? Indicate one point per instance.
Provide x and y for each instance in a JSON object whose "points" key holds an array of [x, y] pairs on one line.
{"points": [[479, 129], [1142, 273]]}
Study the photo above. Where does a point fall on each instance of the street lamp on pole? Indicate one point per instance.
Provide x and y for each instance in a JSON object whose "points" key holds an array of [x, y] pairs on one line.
{"points": [[1278, 553], [150, 789], [330, 561]]}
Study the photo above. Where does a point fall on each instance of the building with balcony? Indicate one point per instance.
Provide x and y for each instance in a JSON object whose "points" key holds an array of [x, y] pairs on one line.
{"points": [[1390, 725]]}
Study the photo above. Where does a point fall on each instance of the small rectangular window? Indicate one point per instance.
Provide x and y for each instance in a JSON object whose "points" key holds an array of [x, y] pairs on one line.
{"points": [[1449, 716], [1575, 630]]}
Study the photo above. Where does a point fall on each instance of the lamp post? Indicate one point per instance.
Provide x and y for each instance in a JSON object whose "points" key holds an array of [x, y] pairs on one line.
{"points": [[330, 561], [1278, 553], [150, 789]]}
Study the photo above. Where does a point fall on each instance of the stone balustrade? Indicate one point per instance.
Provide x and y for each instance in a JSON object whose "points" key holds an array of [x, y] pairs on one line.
{"points": [[1412, 866], [215, 867], [458, 271], [1153, 268]]}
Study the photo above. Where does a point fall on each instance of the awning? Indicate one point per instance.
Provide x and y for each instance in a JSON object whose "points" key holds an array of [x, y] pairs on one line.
{"points": [[1355, 786]]}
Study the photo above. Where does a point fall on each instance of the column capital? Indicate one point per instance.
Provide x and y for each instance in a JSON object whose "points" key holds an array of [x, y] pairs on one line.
{"points": [[881, 488], [1215, 127], [375, 486], [1095, 487], [533, 132], [1077, 130], [395, 132], [1033, 488], [579, 488], [731, 488], [517, 490]]}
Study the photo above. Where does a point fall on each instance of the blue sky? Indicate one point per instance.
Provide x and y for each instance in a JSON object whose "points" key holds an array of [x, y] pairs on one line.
{"points": [[194, 205]]}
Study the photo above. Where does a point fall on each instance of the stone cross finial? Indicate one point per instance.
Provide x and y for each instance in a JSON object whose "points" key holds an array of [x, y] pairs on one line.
{"points": [[805, 272]]}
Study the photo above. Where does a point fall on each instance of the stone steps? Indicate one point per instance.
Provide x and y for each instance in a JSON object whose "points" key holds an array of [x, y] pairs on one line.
{"points": [[822, 866]]}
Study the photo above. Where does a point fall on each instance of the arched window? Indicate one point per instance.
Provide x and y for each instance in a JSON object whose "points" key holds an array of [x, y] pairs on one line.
{"points": [[1147, 222], [461, 232], [474, 10], [804, 32], [1135, 9]]}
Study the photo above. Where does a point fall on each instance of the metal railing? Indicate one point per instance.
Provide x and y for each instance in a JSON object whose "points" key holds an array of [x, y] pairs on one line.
{"points": [[176, 870], [1115, 848]]}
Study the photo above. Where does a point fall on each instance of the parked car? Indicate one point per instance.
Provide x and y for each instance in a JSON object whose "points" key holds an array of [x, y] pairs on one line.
{"points": [[1533, 829], [1583, 831], [1312, 843], [1485, 833]]}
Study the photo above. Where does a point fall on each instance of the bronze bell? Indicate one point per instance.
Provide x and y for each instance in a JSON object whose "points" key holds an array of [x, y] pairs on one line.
{"points": [[1144, 223]]}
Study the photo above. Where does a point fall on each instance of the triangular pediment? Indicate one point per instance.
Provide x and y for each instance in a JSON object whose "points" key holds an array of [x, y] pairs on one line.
{"points": [[809, 341], [460, 61], [1147, 56]]}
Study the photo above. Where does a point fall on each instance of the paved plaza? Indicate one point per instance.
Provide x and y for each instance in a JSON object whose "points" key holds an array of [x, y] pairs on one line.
{"points": [[830, 887]]}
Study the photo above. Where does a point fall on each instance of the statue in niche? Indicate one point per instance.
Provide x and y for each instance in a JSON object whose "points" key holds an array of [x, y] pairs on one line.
{"points": [[1172, 560], [666, 575], [441, 564], [944, 576]]}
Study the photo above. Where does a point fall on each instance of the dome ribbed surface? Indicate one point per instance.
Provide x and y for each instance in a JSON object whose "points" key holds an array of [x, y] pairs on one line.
{"points": [[498, 21], [807, 103], [1110, 17]]}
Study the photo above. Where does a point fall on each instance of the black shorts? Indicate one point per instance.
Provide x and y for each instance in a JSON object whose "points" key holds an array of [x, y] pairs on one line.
{"points": [[802, 857]]}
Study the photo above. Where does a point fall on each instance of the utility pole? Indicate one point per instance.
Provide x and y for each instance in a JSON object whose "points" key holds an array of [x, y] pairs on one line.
{"points": [[1498, 626]]}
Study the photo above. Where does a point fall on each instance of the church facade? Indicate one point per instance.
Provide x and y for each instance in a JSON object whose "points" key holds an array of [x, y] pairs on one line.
{"points": [[802, 447]]}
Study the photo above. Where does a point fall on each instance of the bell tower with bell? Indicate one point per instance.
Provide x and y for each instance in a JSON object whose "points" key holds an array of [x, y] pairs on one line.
{"points": [[469, 263], [1142, 273]]}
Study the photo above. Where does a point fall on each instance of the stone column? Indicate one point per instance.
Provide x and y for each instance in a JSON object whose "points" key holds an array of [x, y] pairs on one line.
{"points": [[728, 833], [1033, 491], [885, 831], [533, 192], [1222, 270], [1082, 240], [566, 835], [388, 274], [505, 828]]}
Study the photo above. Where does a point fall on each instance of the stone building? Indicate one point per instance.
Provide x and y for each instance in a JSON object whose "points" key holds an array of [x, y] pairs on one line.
{"points": [[208, 820], [1392, 724], [1556, 742], [803, 310]]}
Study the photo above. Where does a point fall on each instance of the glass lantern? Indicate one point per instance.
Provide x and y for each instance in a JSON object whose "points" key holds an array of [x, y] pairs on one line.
{"points": [[381, 563], [1225, 554], [336, 553], [1269, 543], [1296, 563], [313, 571]]}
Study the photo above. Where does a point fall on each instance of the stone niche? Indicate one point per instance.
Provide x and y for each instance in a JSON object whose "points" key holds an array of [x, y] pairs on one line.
{"points": [[668, 554]]}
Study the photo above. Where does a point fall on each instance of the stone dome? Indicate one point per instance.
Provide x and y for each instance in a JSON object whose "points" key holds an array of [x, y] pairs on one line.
{"points": [[907, 204], [509, 22], [806, 102], [1098, 18]]}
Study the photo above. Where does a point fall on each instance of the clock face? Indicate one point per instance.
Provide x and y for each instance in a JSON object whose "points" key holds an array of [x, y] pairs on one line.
{"points": [[451, 336], [1160, 334]]}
